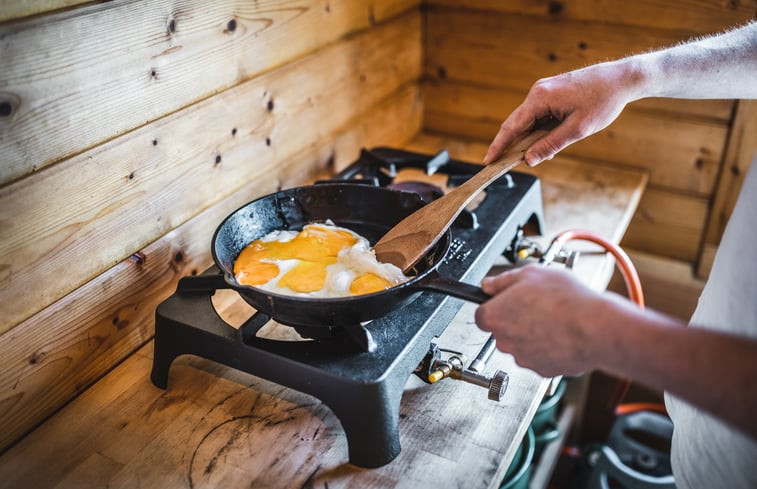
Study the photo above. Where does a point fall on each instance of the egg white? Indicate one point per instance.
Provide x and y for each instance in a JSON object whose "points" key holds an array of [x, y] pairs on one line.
{"points": [[351, 263]]}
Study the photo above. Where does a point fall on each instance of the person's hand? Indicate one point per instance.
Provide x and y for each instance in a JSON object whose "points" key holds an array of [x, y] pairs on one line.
{"points": [[546, 318], [584, 101]]}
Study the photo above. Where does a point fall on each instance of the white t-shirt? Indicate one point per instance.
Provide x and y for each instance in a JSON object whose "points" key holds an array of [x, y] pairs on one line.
{"points": [[706, 452]]}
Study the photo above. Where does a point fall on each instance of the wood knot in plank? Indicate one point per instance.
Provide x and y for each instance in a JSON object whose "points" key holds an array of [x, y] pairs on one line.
{"points": [[9, 104], [37, 357]]}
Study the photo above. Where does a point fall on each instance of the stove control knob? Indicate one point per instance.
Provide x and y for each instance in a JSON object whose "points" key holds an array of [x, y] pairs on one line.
{"points": [[498, 385]]}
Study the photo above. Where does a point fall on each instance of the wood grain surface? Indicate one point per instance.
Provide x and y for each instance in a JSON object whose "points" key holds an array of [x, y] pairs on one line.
{"points": [[487, 102], [57, 353], [669, 285], [681, 151], [217, 427], [13, 9], [742, 149], [512, 51], [668, 224], [125, 63], [691, 16], [154, 178], [482, 56]]}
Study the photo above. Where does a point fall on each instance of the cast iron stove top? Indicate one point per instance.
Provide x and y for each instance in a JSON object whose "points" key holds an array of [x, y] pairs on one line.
{"points": [[360, 375]]}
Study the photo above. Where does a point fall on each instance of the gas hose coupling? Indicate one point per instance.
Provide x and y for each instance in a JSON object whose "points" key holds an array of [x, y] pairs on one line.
{"points": [[522, 248], [454, 367]]}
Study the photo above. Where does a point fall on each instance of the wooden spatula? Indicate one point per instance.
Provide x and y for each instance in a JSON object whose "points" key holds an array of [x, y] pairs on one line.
{"points": [[408, 241]]}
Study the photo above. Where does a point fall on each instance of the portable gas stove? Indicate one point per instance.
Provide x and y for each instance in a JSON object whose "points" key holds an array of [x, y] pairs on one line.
{"points": [[360, 375]]}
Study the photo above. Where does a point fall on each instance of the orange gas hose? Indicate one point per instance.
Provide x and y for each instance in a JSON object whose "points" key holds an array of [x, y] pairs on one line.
{"points": [[630, 277], [633, 407]]}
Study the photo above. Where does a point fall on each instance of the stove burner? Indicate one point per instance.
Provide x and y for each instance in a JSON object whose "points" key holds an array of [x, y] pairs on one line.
{"points": [[427, 191], [358, 371]]}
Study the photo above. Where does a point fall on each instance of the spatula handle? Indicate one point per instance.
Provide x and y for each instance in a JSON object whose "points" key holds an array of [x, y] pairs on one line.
{"points": [[461, 196], [466, 192], [411, 238]]}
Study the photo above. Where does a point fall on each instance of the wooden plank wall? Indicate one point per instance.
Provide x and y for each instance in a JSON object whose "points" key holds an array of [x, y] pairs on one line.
{"points": [[738, 157], [482, 56], [130, 129]]}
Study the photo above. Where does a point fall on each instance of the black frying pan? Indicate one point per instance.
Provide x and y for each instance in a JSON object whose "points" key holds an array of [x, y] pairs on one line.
{"points": [[369, 211]]}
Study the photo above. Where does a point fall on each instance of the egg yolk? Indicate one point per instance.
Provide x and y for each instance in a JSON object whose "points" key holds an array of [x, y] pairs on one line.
{"points": [[255, 272], [367, 283], [307, 276], [315, 247]]}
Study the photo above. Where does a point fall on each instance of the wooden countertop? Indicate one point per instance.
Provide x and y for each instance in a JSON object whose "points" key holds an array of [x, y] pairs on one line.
{"points": [[217, 427]]}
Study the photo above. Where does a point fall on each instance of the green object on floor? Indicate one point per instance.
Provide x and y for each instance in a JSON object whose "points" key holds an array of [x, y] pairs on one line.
{"points": [[546, 413], [545, 419], [518, 475]]}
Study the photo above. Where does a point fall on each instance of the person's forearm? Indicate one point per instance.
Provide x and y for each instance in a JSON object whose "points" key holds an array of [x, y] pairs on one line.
{"points": [[715, 371], [723, 66]]}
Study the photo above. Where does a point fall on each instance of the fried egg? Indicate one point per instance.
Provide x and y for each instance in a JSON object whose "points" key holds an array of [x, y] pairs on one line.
{"points": [[322, 260]]}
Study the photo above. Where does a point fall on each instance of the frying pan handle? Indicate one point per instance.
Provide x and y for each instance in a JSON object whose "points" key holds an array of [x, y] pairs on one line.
{"points": [[439, 283]]}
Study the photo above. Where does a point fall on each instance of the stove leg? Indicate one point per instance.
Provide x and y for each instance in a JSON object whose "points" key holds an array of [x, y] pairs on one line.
{"points": [[370, 420], [162, 358], [216, 341]]}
